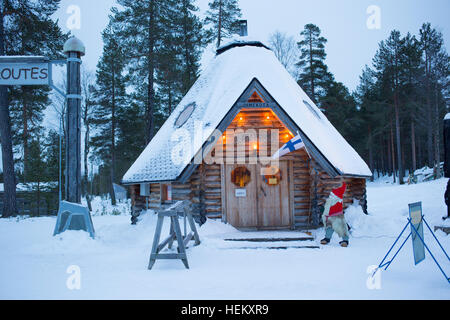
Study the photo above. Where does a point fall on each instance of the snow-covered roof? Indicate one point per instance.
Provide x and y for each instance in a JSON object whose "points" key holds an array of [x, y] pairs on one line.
{"points": [[447, 116], [215, 93]]}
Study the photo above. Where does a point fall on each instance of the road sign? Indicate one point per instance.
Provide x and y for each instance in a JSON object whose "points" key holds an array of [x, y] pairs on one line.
{"points": [[24, 71], [415, 213]]}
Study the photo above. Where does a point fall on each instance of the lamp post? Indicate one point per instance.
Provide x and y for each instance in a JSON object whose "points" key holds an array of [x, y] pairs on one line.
{"points": [[74, 49], [447, 161]]}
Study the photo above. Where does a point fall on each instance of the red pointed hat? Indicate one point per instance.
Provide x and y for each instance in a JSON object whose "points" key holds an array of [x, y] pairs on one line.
{"points": [[339, 192]]}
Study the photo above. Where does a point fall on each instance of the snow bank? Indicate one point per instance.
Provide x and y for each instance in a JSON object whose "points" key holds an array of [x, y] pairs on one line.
{"points": [[114, 264], [102, 206]]}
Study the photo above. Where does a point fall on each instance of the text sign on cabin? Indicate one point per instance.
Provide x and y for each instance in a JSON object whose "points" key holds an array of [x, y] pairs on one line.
{"points": [[24, 71]]}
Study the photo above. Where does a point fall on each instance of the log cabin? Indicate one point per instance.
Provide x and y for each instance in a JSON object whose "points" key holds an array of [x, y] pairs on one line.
{"points": [[215, 148]]}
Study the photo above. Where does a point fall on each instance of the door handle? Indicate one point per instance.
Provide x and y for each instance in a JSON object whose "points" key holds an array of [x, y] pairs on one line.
{"points": [[264, 192]]}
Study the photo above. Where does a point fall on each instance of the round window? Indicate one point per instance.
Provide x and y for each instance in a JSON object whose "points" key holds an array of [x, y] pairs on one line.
{"points": [[240, 177], [184, 115], [271, 175]]}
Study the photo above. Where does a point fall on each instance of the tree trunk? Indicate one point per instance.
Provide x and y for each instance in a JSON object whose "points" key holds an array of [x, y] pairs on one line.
{"points": [[390, 170], [429, 120], [9, 178], [188, 80], [311, 70], [86, 154], [420, 155], [219, 27], [113, 139], [151, 72], [398, 141], [413, 146], [393, 152], [25, 136], [39, 180], [370, 152], [437, 150], [381, 155]]}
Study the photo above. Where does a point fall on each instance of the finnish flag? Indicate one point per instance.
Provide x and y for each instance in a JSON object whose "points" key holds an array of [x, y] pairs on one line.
{"points": [[295, 143]]}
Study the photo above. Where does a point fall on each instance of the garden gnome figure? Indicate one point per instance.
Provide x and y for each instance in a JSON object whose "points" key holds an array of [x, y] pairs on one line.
{"points": [[333, 217]]}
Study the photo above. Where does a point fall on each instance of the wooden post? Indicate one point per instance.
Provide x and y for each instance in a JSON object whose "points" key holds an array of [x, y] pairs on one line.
{"points": [[74, 49]]}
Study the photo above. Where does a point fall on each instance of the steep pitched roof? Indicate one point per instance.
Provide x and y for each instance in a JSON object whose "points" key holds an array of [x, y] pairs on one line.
{"points": [[217, 91]]}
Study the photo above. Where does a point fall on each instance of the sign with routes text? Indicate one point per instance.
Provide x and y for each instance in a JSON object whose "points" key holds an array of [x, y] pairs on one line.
{"points": [[24, 71]]}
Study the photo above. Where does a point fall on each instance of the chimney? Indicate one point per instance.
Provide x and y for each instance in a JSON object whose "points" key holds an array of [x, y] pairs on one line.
{"points": [[243, 28]]}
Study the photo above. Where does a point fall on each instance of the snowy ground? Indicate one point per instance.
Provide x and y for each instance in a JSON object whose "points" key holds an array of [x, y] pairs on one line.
{"points": [[114, 265]]}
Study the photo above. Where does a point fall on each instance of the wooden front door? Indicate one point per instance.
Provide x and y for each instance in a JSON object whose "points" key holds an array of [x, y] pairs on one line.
{"points": [[273, 197], [241, 196], [257, 197]]}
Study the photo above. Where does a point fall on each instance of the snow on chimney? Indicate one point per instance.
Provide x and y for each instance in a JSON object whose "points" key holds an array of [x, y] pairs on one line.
{"points": [[243, 28]]}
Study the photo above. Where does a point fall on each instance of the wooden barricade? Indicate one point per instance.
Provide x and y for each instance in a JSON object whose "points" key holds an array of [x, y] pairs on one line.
{"points": [[175, 234]]}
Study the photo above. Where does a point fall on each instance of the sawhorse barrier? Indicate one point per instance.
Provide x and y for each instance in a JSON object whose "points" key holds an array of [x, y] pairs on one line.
{"points": [[173, 212]]}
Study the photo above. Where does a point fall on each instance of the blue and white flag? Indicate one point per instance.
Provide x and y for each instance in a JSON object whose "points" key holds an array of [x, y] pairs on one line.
{"points": [[295, 143]]}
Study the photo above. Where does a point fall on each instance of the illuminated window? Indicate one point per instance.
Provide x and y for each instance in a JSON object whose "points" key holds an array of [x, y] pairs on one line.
{"points": [[240, 177], [271, 175], [255, 98]]}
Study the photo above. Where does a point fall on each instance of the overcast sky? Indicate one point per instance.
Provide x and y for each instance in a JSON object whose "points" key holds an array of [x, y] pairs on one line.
{"points": [[350, 45]]}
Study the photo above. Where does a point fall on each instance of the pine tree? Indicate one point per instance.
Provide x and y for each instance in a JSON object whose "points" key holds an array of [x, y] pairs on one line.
{"points": [[142, 26], [178, 55], [372, 115], [37, 169], [410, 92], [388, 63], [435, 63], [51, 156], [192, 39], [110, 98], [9, 179], [18, 36], [130, 124], [340, 108], [87, 91], [223, 16], [29, 102], [313, 73], [168, 65], [169, 81], [404, 96]]}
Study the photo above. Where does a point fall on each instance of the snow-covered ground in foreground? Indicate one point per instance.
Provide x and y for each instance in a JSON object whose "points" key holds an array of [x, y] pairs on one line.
{"points": [[114, 265]]}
